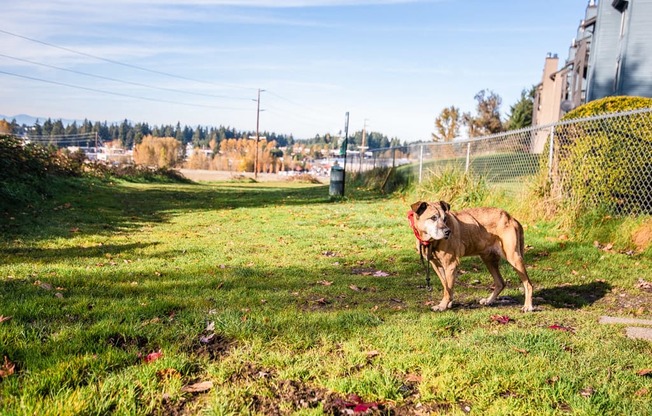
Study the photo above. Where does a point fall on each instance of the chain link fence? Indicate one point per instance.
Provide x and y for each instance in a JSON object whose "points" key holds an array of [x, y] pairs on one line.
{"points": [[597, 162]]}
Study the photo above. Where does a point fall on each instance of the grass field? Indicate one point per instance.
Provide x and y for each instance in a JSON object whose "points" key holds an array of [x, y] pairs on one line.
{"points": [[246, 298]]}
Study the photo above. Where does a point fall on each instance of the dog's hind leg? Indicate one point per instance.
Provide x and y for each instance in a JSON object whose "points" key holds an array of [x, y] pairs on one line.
{"points": [[492, 261], [514, 255]]}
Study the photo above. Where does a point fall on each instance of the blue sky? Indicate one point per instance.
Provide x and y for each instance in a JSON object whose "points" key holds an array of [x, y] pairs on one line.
{"points": [[392, 64]]}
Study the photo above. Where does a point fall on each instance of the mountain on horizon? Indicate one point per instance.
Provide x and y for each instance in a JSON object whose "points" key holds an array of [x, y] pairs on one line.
{"points": [[28, 120]]}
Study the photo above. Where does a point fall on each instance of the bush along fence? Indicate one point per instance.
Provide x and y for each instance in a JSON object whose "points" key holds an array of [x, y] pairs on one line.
{"points": [[600, 162]]}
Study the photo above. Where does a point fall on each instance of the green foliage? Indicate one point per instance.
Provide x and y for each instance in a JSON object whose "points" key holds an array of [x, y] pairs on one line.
{"points": [[452, 185], [28, 170], [607, 167], [521, 112], [30, 173]]}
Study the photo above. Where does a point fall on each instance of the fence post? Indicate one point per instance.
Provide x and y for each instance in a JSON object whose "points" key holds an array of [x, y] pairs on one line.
{"points": [[551, 152], [468, 157], [420, 163], [394, 157]]}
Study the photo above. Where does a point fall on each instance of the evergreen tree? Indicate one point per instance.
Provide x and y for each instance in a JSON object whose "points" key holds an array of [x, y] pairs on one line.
{"points": [[521, 113]]}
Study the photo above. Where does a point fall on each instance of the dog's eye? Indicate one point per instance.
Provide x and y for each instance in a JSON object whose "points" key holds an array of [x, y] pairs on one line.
{"points": [[435, 217]]}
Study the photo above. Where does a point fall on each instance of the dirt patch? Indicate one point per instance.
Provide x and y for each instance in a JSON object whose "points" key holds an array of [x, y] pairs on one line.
{"points": [[213, 346], [182, 407], [284, 397], [627, 303]]}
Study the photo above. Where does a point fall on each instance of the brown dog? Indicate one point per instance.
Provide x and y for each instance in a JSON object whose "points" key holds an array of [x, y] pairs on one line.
{"points": [[445, 237]]}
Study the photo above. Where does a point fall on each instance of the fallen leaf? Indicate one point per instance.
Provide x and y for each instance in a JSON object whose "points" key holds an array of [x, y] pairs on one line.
{"points": [[522, 351], [43, 285], [210, 326], [373, 353], [58, 295], [5, 318], [587, 391], [74, 230], [501, 319], [557, 327], [153, 356], [354, 288], [642, 392], [198, 387], [380, 273], [357, 405], [321, 301], [647, 372], [413, 378], [325, 283], [7, 368]]}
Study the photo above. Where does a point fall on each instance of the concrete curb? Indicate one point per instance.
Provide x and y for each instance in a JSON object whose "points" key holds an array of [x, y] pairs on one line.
{"points": [[632, 332]]}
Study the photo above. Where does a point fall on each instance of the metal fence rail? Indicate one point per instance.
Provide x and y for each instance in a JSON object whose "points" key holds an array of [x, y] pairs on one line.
{"points": [[603, 161]]}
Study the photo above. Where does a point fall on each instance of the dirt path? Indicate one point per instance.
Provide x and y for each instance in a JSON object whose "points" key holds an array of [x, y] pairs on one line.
{"points": [[220, 176]]}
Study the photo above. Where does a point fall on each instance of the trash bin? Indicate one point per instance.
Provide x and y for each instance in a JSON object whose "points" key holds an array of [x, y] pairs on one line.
{"points": [[337, 181]]}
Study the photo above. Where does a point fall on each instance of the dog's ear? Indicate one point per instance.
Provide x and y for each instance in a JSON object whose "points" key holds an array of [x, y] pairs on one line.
{"points": [[419, 206], [445, 206]]}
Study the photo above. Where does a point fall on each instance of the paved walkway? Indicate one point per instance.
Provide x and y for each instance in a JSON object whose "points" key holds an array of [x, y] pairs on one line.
{"points": [[642, 330]]}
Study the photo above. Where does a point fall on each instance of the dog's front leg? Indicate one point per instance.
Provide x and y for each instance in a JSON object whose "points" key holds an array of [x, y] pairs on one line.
{"points": [[447, 277]]}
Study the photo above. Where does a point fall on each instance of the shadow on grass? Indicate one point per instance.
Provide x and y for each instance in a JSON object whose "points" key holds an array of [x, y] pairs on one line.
{"points": [[34, 255], [92, 208], [573, 296]]}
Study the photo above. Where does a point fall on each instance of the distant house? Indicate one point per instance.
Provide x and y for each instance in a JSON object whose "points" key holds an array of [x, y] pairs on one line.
{"points": [[610, 55]]}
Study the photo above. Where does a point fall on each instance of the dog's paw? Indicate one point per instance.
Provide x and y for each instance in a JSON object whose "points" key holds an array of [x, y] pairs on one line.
{"points": [[486, 301], [529, 308], [442, 307]]}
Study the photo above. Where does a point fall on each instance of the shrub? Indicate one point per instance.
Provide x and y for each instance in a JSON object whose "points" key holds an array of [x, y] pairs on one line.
{"points": [[454, 186], [605, 164]]}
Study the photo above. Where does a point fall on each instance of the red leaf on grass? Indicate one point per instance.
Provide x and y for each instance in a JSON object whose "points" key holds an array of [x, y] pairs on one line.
{"points": [[357, 405], [501, 319], [647, 372], [153, 356]]}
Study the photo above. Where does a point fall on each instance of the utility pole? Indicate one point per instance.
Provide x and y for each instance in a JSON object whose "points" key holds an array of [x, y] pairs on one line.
{"points": [[257, 133], [364, 133], [345, 146]]}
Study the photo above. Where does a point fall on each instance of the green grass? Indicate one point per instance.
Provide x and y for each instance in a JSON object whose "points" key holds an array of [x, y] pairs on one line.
{"points": [[288, 282]]}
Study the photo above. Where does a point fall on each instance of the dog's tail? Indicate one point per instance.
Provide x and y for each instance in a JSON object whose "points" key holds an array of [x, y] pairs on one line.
{"points": [[521, 237]]}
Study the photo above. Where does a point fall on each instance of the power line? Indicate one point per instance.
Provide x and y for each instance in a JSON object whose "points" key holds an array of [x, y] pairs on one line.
{"points": [[119, 94], [111, 61], [121, 81]]}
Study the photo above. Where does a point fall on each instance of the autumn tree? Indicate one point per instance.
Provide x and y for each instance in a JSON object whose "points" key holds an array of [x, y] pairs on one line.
{"points": [[447, 125], [157, 151], [487, 118], [5, 127]]}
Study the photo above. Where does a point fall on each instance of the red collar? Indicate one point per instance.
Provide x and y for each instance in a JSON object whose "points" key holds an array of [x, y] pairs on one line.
{"points": [[417, 234]]}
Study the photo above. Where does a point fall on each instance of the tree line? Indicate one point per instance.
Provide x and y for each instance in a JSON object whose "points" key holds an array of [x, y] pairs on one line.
{"points": [[487, 117]]}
